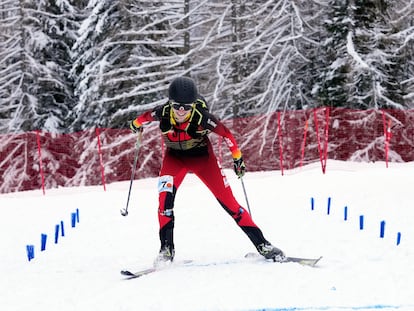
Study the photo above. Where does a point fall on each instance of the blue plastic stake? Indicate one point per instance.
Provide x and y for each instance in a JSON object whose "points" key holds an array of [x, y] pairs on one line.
{"points": [[361, 222], [329, 205], [30, 252], [312, 204], [73, 220], [398, 238], [382, 229], [57, 230], [62, 228], [43, 242], [77, 215], [346, 213]]}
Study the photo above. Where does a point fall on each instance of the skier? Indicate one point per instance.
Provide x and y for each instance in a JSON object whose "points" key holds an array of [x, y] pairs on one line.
{"points": [[185, 124]]}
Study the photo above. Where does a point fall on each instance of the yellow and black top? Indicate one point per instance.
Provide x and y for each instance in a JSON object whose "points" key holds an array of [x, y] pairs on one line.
{"points": [[189, 138]]}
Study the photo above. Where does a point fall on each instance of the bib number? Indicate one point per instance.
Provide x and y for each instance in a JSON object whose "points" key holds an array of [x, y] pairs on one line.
{"points": [[165, 183]]}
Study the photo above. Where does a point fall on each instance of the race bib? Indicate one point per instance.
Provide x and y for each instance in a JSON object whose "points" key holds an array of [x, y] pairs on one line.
{"points": [[165, 183]]}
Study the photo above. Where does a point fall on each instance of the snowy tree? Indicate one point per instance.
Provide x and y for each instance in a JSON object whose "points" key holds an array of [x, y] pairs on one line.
{"points": [[371, 48], [37, 93], [307, 68], [257, 69], [400, 69], [11, 52], [248, 57], [123, 59], [240, 53], [57, 22], [331, 87], [362, 62]]}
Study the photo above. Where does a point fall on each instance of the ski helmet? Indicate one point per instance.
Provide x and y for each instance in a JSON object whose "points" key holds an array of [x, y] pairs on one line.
{"points": [[183, 90]]}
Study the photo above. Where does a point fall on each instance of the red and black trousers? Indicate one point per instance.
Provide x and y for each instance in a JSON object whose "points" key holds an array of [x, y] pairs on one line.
{"points": [[207, 169]]}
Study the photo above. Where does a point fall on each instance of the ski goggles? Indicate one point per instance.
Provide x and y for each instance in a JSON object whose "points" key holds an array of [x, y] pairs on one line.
{"points": [[178, 106]]}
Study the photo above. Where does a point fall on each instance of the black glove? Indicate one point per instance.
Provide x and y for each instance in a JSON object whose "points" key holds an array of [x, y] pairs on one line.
{"points": [[239, 167], [134, 128]]}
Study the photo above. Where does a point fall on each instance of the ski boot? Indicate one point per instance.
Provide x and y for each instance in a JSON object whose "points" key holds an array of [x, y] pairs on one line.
{"points": [[165, 257], [269, 251]]}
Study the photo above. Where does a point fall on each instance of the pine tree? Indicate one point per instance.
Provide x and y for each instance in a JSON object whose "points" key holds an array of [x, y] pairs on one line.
{"points": [[38, 94], [400, 54], [123, 55], [55, 91], [308, 67], [332, 90], [373, 73], [11, 65]]}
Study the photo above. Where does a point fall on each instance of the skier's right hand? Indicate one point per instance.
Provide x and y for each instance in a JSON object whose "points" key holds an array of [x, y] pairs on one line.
{"points": [[135, 127]]}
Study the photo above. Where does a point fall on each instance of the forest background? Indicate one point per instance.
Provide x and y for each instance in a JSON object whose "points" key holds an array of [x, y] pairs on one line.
{"points": [[67, 66]]}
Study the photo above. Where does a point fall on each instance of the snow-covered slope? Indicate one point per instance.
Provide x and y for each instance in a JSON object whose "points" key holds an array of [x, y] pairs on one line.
{"points": [[359, 270]]}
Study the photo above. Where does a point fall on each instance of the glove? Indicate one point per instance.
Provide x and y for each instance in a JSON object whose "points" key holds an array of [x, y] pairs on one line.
{"points": [[135, 128], [239, 166]]}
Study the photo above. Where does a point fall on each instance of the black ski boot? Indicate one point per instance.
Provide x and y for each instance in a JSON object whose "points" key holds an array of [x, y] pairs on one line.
{"points": [[269, 251], [165, 257]]}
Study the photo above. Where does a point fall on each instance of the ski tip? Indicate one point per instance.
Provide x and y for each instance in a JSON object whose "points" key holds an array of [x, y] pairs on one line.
{"points": [[318, 259], [126, 272], [303, 261], [313, 262]]}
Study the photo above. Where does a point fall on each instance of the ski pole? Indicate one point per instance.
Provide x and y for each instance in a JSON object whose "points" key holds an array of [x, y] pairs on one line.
{"points": [[245, 196], [124, 211]]}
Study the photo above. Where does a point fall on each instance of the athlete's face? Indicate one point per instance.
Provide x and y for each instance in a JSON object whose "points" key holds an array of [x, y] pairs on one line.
{"points": [[181, 111]]}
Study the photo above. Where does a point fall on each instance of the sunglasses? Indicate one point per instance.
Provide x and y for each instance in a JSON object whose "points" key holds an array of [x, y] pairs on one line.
{"points": [[185, 107]]}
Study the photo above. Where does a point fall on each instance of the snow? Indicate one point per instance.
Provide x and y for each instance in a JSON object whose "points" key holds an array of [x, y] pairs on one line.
{"points": [[359, 270]]}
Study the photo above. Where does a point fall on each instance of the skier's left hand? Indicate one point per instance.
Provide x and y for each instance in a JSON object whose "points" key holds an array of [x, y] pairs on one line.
{"points": [[135, 128], [239, 166]]}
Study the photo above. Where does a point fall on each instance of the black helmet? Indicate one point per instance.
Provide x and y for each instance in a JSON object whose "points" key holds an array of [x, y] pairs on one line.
{"points": [[183, 90]]}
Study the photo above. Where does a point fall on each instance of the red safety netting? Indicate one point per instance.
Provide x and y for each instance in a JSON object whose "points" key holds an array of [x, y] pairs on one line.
{"points": [[278, 141]]}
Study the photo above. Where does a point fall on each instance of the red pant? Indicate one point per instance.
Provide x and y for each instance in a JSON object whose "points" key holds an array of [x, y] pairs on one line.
{"points": [[207, 169]]}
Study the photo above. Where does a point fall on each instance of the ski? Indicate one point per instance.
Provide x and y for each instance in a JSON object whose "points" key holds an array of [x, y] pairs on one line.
{"points": [[133, 275], [311, 262]]}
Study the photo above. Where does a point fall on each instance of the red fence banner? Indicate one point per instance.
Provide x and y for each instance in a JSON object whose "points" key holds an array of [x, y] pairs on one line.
{"points": [[97, 132], [305, 132], [387, 136], [39, 151], [280, 136], [276, 141], [323, 150]]}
